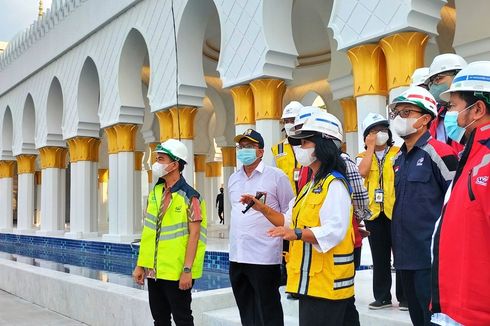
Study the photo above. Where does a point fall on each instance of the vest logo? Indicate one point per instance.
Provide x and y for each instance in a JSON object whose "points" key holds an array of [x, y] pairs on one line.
{"points": [[482, 181], [420, 161], [396, 168], [178, 209]]}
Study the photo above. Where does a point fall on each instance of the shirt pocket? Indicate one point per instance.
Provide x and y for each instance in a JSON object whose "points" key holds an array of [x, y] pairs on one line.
{"points": [[418, 174]]}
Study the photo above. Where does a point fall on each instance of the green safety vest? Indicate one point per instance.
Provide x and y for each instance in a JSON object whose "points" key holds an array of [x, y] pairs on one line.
{"points": [[174, 233]]}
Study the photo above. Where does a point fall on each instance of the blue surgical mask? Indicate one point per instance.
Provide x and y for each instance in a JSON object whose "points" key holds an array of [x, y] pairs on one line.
{"points": [[247, 156], [453, 130], [437, 89]]}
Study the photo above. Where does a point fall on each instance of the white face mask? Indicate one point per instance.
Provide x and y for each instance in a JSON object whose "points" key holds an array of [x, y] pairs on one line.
{"points": [[304, 155], [381, 138], [404, 126], [159, 169], [289, 129]]}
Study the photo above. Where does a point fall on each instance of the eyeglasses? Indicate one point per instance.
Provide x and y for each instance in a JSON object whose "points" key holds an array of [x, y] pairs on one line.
{"points": [[248, 146], [439, 77], [403, 113]]}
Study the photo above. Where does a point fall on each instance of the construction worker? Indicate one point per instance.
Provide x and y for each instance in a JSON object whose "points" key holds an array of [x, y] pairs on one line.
{"points": [[283, 152], [461, 264], [376, 167], [441, 73], [173, 241], [424, 168]]}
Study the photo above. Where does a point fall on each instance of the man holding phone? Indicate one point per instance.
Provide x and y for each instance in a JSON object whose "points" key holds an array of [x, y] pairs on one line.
{"points": [[255, 258]]}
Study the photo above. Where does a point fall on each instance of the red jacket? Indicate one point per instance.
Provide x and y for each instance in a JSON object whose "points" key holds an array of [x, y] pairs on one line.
{"points": [[461, 266], [436, 122]]}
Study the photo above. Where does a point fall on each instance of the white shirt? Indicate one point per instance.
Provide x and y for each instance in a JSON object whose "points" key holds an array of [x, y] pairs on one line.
{"points": [[334, 217], [249, 242]]}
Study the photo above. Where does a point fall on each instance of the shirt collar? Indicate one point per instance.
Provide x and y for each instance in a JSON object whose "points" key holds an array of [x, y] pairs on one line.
{"points": [[422, 141], [259, 168], [179, 185]]}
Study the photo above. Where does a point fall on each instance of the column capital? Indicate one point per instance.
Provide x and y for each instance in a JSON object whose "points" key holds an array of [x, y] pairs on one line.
{"points": [[153, 156], [53, 157], [183, 119], [229, 156], [243, 101], [268, 94], [369, 69], [166, 124], [103, 175], [213, 169], [199, 163], [121, 138], [349, 108], [404, 52], [84, 149], [26, 164], [7, 169], [150, 176], [138, 158]]}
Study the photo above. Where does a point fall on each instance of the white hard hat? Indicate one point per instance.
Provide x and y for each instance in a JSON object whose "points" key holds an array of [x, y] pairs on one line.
{"points": [[445, 62], [173, 148], [419, 76], [304, 113], [418, 96], [291, 110], [475, 78], [371, 120], [320, 122]]}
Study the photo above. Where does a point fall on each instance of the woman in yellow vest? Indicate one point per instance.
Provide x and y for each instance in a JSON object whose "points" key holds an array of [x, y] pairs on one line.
{"points": [[376, 167], [319, 227], [173, 241]]}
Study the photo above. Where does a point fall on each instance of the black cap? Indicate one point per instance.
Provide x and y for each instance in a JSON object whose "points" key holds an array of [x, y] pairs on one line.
{"points": [[252, 135]]}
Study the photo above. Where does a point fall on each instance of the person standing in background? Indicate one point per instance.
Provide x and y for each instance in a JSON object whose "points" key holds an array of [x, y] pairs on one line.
{"points": [[220, 204]]}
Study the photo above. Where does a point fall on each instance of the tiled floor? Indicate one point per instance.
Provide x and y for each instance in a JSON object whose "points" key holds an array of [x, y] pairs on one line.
{"points": [[15, 311]]}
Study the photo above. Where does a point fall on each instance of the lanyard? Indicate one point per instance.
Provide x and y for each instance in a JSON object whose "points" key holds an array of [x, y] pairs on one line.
{"points": [[381, 166], [310, 187]]}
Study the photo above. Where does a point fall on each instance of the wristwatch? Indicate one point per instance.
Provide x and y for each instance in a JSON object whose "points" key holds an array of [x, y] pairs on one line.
{"points": [[186, 269], [299, 233]]}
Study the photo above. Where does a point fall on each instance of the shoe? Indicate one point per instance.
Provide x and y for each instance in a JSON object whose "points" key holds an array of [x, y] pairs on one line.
{"points": [[403, 306], [292, 296], [375, 305]]}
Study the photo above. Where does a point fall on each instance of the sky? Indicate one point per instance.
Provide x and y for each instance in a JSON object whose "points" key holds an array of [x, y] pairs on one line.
{"points": [[17, 15]]}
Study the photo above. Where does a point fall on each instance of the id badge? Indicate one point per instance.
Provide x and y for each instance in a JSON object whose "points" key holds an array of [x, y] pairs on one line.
{"points": [[150, 273], [378, 196], [296, 175]]}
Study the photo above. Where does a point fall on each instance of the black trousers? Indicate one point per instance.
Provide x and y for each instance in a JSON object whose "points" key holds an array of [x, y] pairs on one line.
{"points": [[167, 299], [416, 284], [322, 312], [380, 244], [256, 291]]}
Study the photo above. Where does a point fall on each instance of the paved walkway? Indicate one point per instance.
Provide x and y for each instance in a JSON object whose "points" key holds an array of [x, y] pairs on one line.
{"points": [[16, 311]]}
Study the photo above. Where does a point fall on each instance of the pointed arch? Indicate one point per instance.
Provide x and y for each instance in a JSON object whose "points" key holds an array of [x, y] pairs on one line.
{"points": [[29, 126], [54, 110], [7, 133]]}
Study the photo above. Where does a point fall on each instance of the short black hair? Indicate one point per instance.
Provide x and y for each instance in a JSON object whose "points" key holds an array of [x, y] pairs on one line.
{"points": [[470, 98]]}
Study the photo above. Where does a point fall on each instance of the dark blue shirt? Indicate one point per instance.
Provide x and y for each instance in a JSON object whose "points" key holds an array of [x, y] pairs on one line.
{"points": [[422, 177]]}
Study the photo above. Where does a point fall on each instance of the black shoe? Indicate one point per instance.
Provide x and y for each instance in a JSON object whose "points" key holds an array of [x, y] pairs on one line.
{"points": [[375, 305], [292, 296], [403, 306]]}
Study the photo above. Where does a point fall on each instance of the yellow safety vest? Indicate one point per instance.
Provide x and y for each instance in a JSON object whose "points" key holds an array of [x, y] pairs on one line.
{"points": [[372, 182], [327, 275], [286, 161], [174, 233]]}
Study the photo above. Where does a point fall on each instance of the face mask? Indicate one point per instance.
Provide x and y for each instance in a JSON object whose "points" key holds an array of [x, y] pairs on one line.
{"points": [[305, 155], [404, 126], [289, 128], [453, 130], [159, 169], [436, 91], [247, 156], [381, 138]]}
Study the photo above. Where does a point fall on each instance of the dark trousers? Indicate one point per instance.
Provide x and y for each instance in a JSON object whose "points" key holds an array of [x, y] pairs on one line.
{"points": [[323, 312], [167, 299], [220, 215], [357, 257], [256, 291], [416, 285], [380, 244]]}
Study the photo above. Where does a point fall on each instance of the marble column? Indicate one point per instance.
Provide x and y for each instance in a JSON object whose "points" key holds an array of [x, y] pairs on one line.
{"points": [[213, 182], [121, 146], [103, 216], [138, 199], [243, 101], [53, 190], [183, 129], [229, 165], [84, 157], [369, 71], [350, 125], [200, 168], [6, 195], [268, 94], [404, 52], [25, 193]]}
